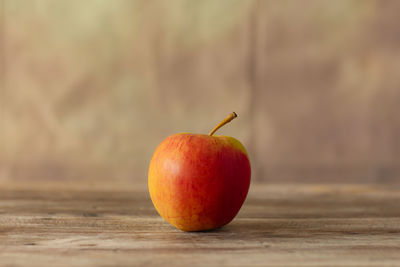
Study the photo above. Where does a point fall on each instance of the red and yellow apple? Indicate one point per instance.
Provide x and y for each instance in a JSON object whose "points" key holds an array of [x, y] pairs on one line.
{"points": [[199, 182]]}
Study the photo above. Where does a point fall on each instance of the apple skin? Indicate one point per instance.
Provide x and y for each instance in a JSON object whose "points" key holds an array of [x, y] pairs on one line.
{"points": [[199, 182]]}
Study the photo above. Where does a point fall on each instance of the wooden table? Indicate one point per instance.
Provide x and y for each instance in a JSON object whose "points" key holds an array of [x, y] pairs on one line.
{"points": [[279, 225]]}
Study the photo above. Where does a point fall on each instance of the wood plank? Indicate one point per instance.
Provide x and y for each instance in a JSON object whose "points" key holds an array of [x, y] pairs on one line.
{"points": [[279, 225]]}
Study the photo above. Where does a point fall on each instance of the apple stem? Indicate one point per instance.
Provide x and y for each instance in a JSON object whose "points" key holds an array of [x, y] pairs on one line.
{"points": [[222, 123]]}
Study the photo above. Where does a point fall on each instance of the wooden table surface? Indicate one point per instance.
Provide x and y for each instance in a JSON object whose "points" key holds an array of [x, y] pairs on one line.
{"points": [[279, 225]]}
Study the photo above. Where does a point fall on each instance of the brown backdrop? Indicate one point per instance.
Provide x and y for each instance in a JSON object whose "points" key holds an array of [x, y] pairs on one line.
{"points": [[89, 88]]}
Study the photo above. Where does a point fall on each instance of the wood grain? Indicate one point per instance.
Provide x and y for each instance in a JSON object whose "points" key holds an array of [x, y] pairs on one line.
{"points": [[279, 225]]}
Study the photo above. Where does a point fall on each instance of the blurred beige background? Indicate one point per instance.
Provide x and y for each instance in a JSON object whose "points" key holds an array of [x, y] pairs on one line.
{"points": [[89, 88]]}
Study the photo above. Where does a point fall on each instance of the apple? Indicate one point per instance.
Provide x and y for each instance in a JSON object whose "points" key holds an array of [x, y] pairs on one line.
{"points": [[199, 182]]}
